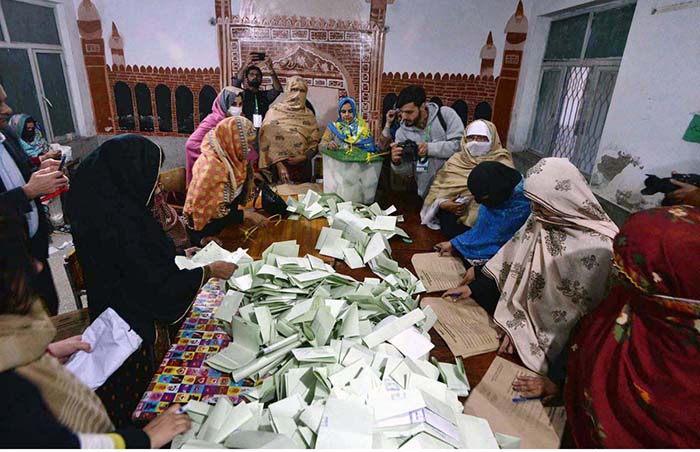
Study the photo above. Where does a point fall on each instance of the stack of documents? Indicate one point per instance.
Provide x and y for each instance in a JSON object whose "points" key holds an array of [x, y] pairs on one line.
{"points": [[338, 362]]}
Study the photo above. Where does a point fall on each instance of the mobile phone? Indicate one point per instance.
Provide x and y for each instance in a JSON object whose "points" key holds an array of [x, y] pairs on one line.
{"points": [[63, 162], [258, 56]]}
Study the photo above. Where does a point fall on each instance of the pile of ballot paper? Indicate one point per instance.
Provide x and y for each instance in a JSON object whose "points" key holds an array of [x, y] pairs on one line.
{"points": [[332, 362]]}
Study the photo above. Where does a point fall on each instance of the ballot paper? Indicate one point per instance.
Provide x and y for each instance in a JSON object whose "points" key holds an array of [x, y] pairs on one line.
{"points": [[538, 426], [346, 424], [464, 325], [438, 273], [341, 363], [111, 341], [212, 252]]}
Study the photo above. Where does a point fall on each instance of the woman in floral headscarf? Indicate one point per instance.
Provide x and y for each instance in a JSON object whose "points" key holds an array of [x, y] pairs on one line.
{"points": [[349, 168], [289, 136], [633, 366], [553, 270], [349, 133], [221, 180], [228, 103]]}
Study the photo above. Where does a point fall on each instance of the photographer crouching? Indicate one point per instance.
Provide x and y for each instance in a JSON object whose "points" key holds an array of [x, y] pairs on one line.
{"points": [[428, 136]]}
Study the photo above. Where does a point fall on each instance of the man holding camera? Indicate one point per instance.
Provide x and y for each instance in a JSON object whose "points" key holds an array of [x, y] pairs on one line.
{"points": [[256, 102], [428, 136]]}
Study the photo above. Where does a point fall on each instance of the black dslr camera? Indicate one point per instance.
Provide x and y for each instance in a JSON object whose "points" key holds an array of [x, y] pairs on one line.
{"points": [[410, 151], [654, 184]]}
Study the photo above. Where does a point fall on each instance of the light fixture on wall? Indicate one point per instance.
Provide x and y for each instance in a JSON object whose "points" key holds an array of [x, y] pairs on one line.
{"points": [[692, 133]]}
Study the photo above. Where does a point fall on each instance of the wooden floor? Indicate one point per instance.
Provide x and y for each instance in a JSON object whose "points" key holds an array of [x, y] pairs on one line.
{"points": [[306, 233]]}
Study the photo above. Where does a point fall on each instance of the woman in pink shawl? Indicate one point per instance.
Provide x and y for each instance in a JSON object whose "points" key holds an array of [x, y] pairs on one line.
{"points": [[229, 102]]}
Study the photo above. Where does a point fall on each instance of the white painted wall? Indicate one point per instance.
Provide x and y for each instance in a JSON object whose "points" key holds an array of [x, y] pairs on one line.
{"points": [[172, 33], [657, 89], [336, 9], [445, 35]]}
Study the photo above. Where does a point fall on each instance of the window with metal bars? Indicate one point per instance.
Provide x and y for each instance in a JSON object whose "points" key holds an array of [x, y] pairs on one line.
{"points": [[577, 79]]}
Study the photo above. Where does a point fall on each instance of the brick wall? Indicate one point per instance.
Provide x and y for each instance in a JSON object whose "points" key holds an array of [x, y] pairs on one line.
{"points": [[473, 89], [194, 79]]}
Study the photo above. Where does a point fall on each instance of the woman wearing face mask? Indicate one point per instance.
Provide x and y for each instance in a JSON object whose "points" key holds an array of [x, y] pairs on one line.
{"points": [[349, 140], [289, 136], [449, 205], [31, 139], [504, 209], [229, 102], [222, 180]]}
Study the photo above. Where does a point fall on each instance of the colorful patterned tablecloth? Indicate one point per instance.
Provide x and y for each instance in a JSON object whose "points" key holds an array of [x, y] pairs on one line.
{"points": [[182, 375]]}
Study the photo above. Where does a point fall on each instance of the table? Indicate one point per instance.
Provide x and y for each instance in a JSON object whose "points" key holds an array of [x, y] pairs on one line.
{"points": [[182, 376]]}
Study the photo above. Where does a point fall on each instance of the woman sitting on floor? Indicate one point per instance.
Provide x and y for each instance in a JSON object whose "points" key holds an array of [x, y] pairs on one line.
{"points": [[45, 406], [552, 271], [633, 364], [128, 260], [349, 140], [228, 103], [289, 136], [449, 205], [222, 180], [504, 209]]}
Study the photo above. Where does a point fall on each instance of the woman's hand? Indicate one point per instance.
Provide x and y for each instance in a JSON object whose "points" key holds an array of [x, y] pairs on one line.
{"points": [[458, 293], [457, 208], [332, 145], [469, 276], [535, 386], [62, 350], [256, 218], [221, 269], [282, 173], [444, 248], [167, 426]]}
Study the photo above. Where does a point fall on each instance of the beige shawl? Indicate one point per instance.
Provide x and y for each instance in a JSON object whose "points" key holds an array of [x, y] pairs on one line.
{"points": [[23, 342], [289, 129], [553, 271], [451, 180]]}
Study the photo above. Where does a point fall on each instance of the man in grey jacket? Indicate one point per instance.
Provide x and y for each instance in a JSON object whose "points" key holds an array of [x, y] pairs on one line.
{"points": [[437, 132]]}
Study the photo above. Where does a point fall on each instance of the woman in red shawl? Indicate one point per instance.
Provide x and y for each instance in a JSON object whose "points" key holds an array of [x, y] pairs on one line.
{"points": [[634, 365]]}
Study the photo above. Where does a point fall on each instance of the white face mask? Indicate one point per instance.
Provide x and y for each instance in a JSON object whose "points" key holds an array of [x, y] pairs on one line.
{"points": [[235, 111], [478, 148]]}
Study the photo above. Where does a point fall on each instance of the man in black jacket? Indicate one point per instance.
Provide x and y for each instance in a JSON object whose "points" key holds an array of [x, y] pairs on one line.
{"points": [[21, 186]]}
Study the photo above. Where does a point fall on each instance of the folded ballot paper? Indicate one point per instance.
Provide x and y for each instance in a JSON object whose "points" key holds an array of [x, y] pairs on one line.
{"points": [[338, 363], [112, 341], [212, 252]]}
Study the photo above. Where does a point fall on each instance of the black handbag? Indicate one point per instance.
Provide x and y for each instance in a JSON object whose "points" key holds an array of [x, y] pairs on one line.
{"points": [[272, 203]]}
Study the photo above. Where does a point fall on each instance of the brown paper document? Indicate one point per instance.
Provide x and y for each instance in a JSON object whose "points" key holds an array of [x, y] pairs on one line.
{"points": [[538, 426], [438, 273], [464, 325], [298, 189]]}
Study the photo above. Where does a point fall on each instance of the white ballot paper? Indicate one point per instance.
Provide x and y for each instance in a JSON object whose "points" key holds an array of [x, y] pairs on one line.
{"points": [[112, 341]]}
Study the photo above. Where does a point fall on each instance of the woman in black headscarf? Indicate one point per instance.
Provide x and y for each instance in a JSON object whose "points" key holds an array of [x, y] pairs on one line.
{"points": [[128, 261], [503, 210]]}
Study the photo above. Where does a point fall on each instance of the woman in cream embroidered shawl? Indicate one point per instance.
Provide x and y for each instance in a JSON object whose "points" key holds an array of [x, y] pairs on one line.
{"points": [[289, 136], [553, 271], [449, 205]]}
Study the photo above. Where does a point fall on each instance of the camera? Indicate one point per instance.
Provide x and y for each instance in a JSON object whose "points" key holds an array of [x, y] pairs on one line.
{"points": [[654, 184], [410, 151]]}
